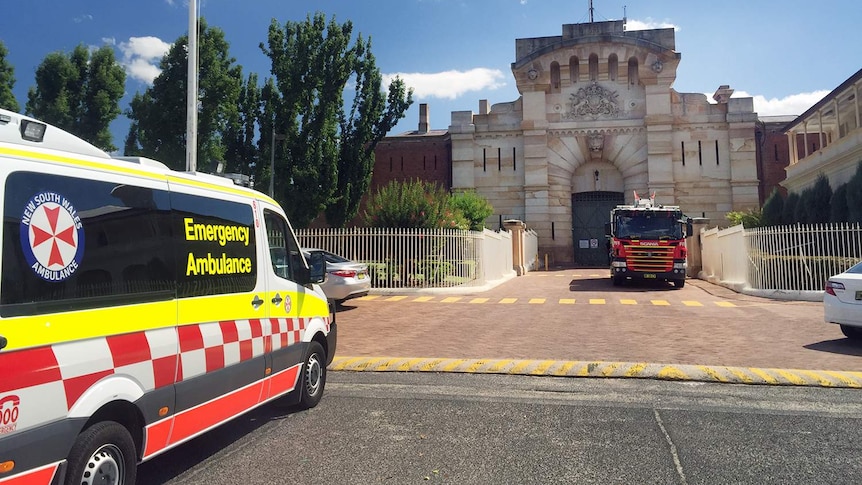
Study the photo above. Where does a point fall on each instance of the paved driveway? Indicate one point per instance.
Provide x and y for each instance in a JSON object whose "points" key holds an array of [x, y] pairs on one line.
{"points": [[578, 315]]}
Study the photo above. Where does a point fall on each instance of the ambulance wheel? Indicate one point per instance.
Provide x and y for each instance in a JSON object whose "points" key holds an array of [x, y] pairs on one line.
{"points": [[679, 283], [313, 378], [103, 453]]}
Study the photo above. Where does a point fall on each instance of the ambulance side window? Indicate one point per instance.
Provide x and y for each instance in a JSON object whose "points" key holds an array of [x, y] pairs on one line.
{"points": [[74, 243], [282, 246], [216, 252]]}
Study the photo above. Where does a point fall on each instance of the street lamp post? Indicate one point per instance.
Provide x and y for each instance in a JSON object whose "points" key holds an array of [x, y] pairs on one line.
{"points": [[275, 137]]}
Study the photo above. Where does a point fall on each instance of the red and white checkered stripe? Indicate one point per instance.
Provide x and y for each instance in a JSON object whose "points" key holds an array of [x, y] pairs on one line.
{"points": [[40, 376]]}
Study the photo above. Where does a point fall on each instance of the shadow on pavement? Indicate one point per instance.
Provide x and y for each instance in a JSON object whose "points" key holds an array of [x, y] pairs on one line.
{"points": [[843, 346]]}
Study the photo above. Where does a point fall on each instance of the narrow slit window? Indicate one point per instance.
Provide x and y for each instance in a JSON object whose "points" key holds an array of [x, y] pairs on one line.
{"points": [[775, 152], [699, 153], [390, 164], [682, 148], [716, 152], [499, 159], [484, 160], [514, 160]]}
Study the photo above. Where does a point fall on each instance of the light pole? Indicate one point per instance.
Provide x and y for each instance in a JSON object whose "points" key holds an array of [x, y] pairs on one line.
{"points": [[275, 137]]}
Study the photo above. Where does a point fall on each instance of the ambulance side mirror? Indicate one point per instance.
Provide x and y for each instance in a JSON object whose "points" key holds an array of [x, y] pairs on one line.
{"points": [[316, 267]]}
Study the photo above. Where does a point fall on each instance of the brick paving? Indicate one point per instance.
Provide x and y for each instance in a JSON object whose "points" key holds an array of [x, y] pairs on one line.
{"points": [[701, 324]]}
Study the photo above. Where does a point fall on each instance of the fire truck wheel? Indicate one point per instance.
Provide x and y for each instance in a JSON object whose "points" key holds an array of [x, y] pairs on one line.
{"points": [[103, 453], [313, 378], [616, 280], [679, 283]]}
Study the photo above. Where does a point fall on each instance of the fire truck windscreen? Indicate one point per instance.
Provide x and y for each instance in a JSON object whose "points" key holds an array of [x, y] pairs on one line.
{"points": [[648, 225]]}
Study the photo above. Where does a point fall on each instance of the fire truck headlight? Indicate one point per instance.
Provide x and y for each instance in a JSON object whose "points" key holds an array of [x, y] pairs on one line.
{"points": [[618, 264], [679, 265]]}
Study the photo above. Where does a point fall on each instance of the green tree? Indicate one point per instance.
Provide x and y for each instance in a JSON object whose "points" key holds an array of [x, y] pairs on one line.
{"points": [[158, 115], [802, 212], [7, 82], [371, 117], [770, 214], [241, 154], [474, 207], [327, 153], [854, 196], [80, 93], [788, 213], [819, 204], [413, 204], [838, 210]]}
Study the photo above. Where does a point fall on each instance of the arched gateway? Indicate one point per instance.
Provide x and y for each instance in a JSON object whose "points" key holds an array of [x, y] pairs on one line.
{"points": [[597, 119]]}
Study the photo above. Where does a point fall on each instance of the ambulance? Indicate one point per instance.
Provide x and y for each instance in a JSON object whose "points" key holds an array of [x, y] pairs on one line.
{"points": [[140, 307]]}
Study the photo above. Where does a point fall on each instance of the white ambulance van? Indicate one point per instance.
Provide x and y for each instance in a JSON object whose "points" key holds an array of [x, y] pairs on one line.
{"points": [[139, 308]]}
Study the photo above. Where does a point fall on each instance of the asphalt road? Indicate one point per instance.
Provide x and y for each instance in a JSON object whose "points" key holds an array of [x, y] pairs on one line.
{"points": [[480, 429], [396, 427]]}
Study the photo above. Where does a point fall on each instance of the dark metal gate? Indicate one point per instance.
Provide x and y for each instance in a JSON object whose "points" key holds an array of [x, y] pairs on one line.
{"points": [[590, 212]]}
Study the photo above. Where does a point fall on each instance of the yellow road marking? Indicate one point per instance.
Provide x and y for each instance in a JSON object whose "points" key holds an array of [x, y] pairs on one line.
{"points": [[424, 298], [479, 300], [451, 299], [537, 301], [499, 365], [692, 303], [725, 304], [567, 301], [508, 300], [597, 301], [543, 367], [660, 302], [565, 368], [453, 365], [629, 302], [395, 298]]}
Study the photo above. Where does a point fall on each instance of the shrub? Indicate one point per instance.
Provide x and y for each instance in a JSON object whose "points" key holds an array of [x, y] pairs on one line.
{"points": [[838, 210], [474, 207], [788, 214], [749, 218], [413, 204]]}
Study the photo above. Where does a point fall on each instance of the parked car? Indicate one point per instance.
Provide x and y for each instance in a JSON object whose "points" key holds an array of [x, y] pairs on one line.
{"points": [[345, 279], [842, 302]]}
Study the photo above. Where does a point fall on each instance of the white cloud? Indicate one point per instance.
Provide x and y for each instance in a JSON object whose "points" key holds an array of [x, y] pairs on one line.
{"points": [[141, 56], [795, 104], [449, 84], [649, 24], [82, 18]]}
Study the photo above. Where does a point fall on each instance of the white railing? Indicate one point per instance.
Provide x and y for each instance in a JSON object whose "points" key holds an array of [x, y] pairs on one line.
{"points": [[794, 259], [801, 257], [419, 258]]}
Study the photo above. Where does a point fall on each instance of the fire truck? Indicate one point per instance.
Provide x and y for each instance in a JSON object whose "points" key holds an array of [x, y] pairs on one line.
{"points": [[646, 241]]}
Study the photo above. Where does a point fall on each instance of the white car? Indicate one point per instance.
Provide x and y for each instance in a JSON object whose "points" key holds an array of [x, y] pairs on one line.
{"points": [[345, 279], [842, 301]]}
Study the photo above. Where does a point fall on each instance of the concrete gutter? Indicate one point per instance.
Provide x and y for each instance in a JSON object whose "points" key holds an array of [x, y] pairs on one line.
{"points": [[637, 370]]}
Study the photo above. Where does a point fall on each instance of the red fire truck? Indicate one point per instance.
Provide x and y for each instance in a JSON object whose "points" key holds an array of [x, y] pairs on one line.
{"points": [[647, 242]]}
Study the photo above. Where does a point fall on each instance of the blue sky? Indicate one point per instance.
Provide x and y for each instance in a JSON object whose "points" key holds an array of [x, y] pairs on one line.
{"points": [[786, 54]]}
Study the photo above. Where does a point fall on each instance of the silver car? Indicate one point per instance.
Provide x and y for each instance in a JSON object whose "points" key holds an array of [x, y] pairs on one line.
{"points": [[345, 279], [842, 301]]}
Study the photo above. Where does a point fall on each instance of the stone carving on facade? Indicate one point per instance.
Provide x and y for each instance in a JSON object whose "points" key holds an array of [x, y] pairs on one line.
{"points": [[596, 142], [593, 102]]}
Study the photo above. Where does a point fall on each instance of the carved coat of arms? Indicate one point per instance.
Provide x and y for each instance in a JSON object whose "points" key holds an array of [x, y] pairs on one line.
{"points": [[594, 101]]}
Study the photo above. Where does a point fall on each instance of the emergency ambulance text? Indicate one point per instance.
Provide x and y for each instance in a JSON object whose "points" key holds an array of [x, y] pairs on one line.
{"points": [[217, 266], [215, 232]]}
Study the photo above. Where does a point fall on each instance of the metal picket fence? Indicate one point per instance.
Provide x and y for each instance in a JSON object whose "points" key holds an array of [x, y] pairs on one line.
{"points": [[407, 258], [801, 257]]}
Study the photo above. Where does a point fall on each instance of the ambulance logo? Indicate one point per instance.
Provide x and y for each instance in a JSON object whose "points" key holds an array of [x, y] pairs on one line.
{"points": [[52, 236]]}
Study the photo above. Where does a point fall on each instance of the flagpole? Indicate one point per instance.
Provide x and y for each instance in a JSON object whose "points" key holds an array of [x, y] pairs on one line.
{"points": [[192, 91]]}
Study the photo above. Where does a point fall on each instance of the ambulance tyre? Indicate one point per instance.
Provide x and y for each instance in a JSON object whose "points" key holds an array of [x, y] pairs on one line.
{"points": [[313, 378], [103, 453]]}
